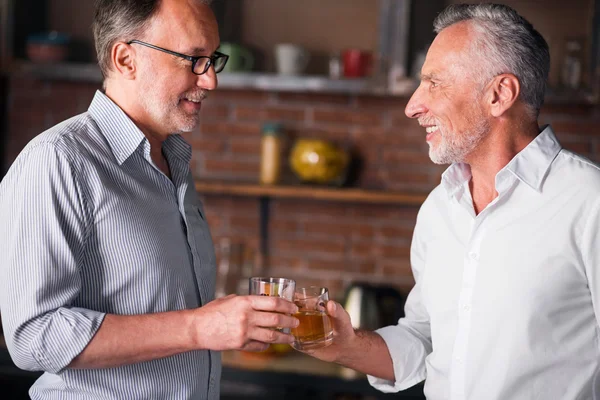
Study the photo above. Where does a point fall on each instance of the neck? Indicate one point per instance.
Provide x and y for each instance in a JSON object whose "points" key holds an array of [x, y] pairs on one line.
{"points": [[118, 92], [503, 143]]}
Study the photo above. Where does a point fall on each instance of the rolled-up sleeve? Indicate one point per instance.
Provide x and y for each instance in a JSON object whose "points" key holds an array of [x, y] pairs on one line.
{"points": [[44, 227], [409, 342]]}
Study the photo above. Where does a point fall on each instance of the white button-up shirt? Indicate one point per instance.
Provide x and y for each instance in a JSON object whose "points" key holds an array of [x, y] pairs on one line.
{"points": [[506, 303]]}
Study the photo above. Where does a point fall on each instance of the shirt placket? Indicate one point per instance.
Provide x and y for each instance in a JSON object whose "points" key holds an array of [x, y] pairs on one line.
{"points": [[458, 377]]}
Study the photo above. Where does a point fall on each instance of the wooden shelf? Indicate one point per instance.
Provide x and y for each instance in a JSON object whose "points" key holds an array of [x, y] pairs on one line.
{"points": [[311, 192]]}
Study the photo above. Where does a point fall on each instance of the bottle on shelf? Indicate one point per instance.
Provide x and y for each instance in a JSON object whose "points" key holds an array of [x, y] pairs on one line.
{"points": [[271, 148]]}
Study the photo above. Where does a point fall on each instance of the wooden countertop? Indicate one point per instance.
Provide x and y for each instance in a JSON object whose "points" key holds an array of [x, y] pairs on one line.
{"points": [[290, 362]]}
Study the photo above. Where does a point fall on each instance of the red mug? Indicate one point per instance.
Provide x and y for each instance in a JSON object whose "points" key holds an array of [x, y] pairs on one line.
{"points": [[356, 63]]}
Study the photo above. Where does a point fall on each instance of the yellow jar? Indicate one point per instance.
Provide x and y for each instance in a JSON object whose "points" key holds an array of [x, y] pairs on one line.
{"points": [[270, 159]]}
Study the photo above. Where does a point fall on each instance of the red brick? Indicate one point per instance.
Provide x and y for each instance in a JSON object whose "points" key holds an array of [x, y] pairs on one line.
{"points": [[215, 222], [231, 167], [363, 250], [393, 268], [367, 267], [371, 180], [557, 110], [244, 147], [311, 99], [247, 130], [247, 222], [347, 230], [348, 116], [336, 134], [308, 246], [591, 128], [399, 121], [286, 228], [284, 261], [237, 96], [386, 213], [395, 252], [396, 177], [208, 144], [395, 232], [78, 93], [398, 155], [579, 147], [330, 265], [405, 138], [382, 102], [214, 111], [262, 113], [244, 206], [307, 208], [218, 202]]}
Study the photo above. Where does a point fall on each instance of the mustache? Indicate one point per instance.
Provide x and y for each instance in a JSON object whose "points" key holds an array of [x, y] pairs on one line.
{"points": [[196, 96], [427, 121]]}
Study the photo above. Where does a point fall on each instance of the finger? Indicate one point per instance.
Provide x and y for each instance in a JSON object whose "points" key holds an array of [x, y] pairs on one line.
{"points": [[273, 320], [340, 318], [270, 336], [275, 304], [255, 346]]}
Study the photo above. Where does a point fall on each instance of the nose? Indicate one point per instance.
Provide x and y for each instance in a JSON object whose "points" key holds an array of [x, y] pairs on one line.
{"points": [[416, 105], [208, 80]]}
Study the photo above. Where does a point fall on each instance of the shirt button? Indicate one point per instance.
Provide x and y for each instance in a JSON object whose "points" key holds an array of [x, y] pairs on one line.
{"points": [[467, 308], [473, 255]]}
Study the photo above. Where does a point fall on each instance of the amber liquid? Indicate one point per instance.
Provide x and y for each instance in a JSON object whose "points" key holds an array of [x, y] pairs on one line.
{"points": [[314, 328]]}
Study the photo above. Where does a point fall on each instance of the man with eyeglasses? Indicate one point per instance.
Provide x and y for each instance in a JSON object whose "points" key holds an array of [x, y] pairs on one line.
{"points": [[107, 267]]}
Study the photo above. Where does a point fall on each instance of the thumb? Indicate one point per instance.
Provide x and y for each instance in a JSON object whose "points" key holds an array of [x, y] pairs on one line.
{"points": [[338, 314]]}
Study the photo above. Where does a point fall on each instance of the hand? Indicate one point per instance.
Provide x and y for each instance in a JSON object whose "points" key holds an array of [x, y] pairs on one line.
{"points": [[343, 335], [243, 322]]}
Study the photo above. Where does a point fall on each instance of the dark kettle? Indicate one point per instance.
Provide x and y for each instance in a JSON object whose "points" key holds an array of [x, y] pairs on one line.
{"points": [[373, 306]]}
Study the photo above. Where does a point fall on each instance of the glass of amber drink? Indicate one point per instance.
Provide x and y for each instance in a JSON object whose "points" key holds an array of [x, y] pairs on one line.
{"points": [[315, 329]]}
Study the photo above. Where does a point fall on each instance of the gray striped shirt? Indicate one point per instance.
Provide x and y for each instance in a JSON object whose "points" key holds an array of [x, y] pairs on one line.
{"points": [[90, 226]]}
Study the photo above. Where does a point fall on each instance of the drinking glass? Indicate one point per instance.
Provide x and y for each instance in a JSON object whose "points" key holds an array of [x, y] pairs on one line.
{"points": [[279, 287], [315, 329]]}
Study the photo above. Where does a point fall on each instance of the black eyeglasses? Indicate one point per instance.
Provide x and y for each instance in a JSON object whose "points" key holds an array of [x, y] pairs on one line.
{"points": [[200, 64]]}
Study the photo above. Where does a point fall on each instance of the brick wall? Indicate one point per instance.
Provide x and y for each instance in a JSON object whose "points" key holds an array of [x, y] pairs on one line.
{"points": [[313, 241]]}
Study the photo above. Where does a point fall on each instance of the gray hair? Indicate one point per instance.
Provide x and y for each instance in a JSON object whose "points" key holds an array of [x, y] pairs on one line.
{"points": [[121, 20], [507, 43]]}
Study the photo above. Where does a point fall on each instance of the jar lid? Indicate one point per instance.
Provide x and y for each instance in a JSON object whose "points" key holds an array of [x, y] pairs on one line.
{"points": [[271, 128]]}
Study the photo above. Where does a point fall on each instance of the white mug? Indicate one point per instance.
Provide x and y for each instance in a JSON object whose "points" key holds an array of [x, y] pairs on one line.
{"points": [[290, 59]]}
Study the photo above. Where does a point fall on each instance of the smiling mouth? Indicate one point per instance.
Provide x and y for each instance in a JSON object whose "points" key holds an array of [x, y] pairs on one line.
{"points": [[431, 129]]}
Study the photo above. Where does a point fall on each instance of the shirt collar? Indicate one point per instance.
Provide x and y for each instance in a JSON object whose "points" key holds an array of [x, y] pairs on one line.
{"points": [[529, 166], [123, 136]]}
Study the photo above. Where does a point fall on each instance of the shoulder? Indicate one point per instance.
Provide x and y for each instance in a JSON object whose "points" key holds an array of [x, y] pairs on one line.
{"points": [[578, 171], [71, 139], [436, 200], [56, 150]]}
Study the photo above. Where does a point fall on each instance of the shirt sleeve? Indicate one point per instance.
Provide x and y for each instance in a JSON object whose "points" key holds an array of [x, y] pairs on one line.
{"points": [[590, 251], [42, 213], [409, 342]]}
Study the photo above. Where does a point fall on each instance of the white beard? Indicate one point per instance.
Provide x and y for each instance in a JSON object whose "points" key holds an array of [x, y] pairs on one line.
{"points": [[456, 147]]}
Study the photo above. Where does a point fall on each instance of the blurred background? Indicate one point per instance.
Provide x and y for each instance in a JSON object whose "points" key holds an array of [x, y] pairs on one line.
{"points": [[305, 161]]}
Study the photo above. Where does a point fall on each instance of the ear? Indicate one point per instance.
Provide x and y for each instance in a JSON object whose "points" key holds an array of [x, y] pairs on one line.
{"points": [[505, 91], [123, 60]]}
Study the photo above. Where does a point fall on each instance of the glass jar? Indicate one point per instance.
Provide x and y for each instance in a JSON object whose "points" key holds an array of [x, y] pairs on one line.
{"points": [[572, 64]]}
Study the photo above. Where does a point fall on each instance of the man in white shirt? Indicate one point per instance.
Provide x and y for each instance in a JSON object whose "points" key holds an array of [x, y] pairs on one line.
{"points": [[506, 250]]}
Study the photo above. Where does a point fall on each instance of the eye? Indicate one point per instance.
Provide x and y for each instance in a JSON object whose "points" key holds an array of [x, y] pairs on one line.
{"points": [[433, 84]]}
